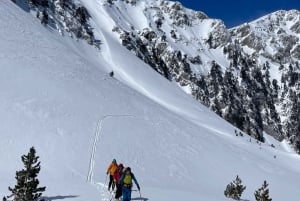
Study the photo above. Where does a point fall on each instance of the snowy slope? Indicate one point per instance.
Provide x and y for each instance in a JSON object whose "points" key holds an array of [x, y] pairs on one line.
{"points": [[183, 45], [137, 74], [55, 94]]}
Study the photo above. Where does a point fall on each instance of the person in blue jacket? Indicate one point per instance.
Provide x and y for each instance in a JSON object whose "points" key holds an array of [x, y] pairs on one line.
{"points": [[126, 183]]}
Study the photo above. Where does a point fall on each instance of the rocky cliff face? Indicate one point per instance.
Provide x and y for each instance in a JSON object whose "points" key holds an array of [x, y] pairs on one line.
{"points": [[68, 17], [275, 36]]}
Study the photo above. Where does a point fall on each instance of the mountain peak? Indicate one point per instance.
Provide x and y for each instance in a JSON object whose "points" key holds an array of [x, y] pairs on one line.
{"points": [[281, 15], [279, 30]]}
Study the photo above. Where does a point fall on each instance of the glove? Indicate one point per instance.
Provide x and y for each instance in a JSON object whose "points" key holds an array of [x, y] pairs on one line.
{"points": [[107, 173]]}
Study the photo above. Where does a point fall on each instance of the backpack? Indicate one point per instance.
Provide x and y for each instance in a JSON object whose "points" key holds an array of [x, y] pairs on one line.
{"points": [[128, 179]]}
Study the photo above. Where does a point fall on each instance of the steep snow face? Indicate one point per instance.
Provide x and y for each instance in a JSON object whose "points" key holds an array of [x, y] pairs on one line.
{"points": [[56, 95], [132, 70], [185, 46]]}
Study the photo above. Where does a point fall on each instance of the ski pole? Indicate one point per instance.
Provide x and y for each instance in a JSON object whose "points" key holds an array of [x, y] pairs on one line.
{"points": [[112, 196], [105, 181]]}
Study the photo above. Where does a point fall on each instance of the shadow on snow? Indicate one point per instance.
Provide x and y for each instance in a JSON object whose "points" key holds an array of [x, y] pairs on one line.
{"points": [[59, 197], [140, 198]]}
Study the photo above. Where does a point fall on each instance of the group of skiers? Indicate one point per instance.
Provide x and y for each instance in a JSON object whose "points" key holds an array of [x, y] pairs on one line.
{"points": [[121, 178]]}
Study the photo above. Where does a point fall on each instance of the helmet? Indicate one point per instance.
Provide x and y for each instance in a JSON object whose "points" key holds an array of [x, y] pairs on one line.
{"points": [[128, 169], [121, 165], [114, 161]]}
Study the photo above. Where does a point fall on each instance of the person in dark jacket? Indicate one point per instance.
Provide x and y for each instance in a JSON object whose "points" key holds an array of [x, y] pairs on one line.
{"points": [[126, 183]]}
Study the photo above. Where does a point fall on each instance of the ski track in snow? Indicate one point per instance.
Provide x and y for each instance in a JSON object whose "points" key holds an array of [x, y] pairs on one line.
{"points": [[95, 143], [94, 149], [105, 195]]}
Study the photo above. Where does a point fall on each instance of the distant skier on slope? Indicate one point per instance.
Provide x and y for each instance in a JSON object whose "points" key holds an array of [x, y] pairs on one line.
{"points": [[118, 174], [111, 171], [126, 183]]}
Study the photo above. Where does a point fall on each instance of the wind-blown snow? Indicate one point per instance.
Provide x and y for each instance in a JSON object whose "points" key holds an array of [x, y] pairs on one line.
{"points": [[56, 95]]}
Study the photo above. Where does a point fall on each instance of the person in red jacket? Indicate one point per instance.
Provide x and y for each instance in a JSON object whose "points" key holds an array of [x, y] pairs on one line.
{"points": [[117, 177]]}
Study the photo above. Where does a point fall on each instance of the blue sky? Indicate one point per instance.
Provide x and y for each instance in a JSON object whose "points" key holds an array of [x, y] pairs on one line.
{"points": [[236, 12]]}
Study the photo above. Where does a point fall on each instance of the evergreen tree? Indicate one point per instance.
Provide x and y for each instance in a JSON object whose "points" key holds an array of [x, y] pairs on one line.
{"points": [[33, 2], [45, 17], [256, 120], [297, 65], [281, 67], [293, 122], [275, 88], [215, 79], [45, 3], [235, 189], [109, 1], [216, 107], [200, 90], [262, 194], [267, 75], [234, 112], [62, 3], [27, 188], [215, 86], [210, 41], [245, 72], [82, 14]]}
